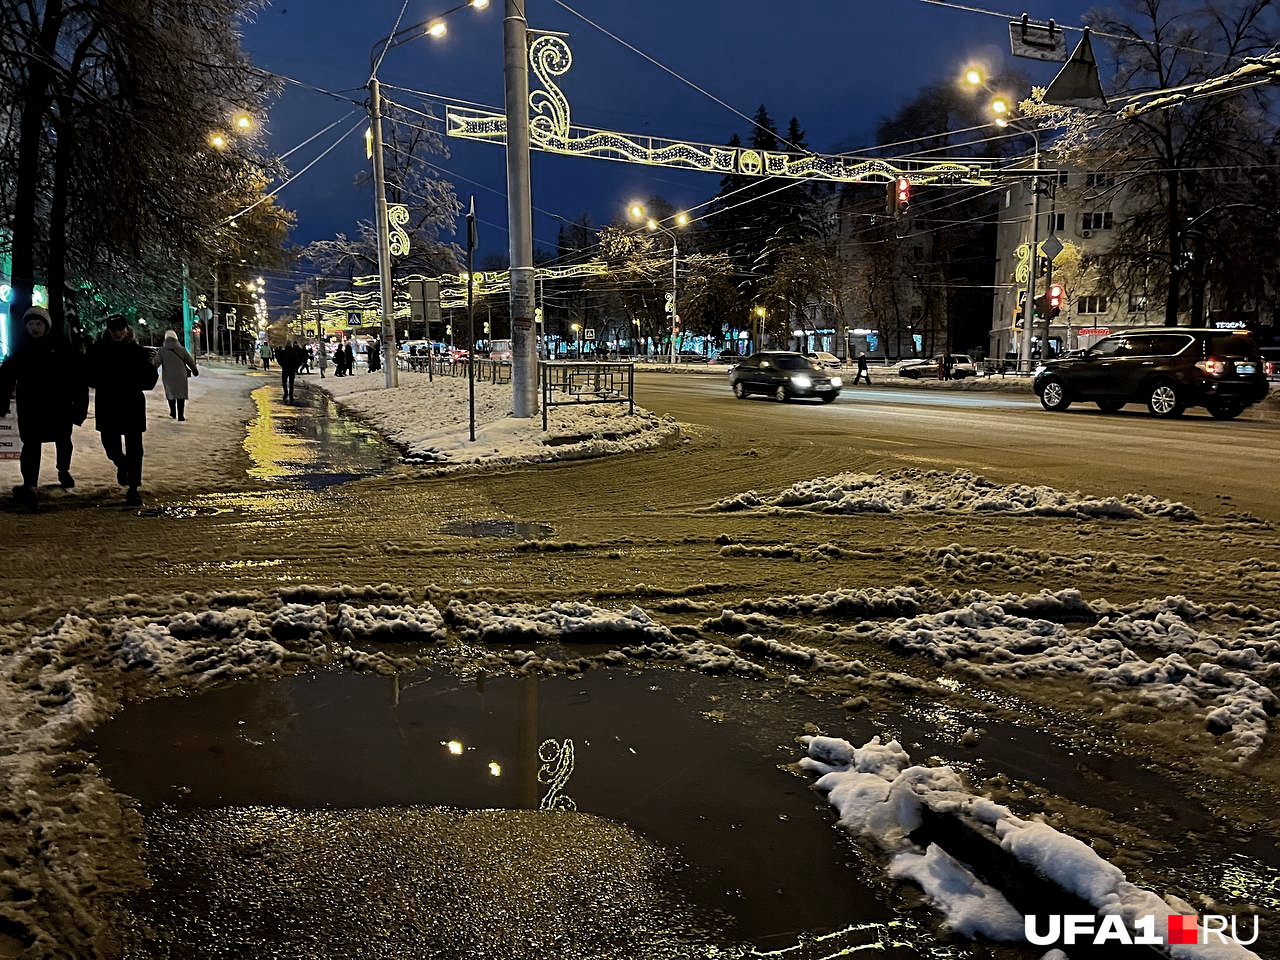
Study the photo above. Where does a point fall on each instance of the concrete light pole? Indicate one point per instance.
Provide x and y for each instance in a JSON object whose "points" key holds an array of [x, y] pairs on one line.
{"points": [[524, 340]]}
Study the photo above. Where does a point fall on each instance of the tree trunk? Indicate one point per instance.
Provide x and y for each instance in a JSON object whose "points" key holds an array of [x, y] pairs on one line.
{"points": [[35, 100]]}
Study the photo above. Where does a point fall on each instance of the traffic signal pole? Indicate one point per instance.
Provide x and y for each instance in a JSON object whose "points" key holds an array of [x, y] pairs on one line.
{"points": [[1028, 313]]}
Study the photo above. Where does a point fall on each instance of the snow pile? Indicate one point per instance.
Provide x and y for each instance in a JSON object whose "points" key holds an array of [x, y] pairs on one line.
{"points": [[879, 796], [936, 491], [430, 419]]}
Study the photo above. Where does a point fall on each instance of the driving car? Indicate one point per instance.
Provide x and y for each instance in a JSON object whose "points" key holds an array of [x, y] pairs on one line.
{"points": [[783, 375], [1166, 368]]}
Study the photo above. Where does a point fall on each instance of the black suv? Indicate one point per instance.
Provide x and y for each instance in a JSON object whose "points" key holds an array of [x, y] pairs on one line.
{"points": [[1167, 368]]}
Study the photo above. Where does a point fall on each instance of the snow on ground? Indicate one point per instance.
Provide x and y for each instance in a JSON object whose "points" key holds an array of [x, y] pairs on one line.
{"points": [[936, 491], [879, 795], [68, 838], [430, 419]]}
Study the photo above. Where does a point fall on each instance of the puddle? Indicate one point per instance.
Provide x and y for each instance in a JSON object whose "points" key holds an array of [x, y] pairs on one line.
{"points": [[311, 443], [498, 528], [662, 791]]}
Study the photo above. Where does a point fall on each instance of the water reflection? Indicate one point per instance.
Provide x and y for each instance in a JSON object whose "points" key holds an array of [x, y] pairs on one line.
{"points": [[638, 749], [311, 442]]}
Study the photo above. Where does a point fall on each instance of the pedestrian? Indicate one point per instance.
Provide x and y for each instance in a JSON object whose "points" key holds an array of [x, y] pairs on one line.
{"points": [[375, 356], [942, 368], [264, 351], [306, 360], [176, 365], [322, 360], [289, 358], [46, 370], [338, 360], [348, 358], [121, 371], [863, 372]]}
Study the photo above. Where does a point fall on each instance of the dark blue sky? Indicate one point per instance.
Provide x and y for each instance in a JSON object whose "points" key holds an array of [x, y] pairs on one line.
{"points": [[836, 65]]}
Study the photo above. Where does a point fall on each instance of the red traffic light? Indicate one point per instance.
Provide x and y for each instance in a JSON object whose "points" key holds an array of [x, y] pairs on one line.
{"points": [[903, 193], [1055, 296]]}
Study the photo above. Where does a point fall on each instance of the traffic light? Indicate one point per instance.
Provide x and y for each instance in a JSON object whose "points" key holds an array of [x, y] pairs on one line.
{"points": [[1049, 305], [901, 196]]}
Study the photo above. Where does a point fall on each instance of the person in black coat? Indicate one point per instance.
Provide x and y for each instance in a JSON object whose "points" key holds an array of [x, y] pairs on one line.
{"points": [[289, 358], [121, 371], [47, 372]]}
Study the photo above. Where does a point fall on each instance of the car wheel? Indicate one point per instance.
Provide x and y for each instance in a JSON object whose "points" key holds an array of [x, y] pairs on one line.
{"points": [[740, 390], [1162, 400], [780, 394], [1109, 406], [1054, 395], [910, 374], [829, 397], [1225, 410]]}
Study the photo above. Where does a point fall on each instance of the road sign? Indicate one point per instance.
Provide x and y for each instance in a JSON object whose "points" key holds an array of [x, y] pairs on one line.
{"points": [[589, 333], [353, 319], [1037, 41]]}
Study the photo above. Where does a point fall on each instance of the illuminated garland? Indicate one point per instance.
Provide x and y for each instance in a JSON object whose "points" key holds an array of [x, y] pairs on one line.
{"points": [[551, 131]]}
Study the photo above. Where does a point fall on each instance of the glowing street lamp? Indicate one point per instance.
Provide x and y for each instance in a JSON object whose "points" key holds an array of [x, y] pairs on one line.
{"points": [[637, 212], [435, 27]]}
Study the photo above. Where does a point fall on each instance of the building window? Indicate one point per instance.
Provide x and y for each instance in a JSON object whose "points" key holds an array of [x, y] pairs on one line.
{"points": [[1061, 177], [1056, 222], [1100, 220], [917, 311], [1137, 302], [1091, 304], [1099, 180]]}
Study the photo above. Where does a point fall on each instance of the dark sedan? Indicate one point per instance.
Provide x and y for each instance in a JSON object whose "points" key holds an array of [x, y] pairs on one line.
{"points": [[784, 376]]}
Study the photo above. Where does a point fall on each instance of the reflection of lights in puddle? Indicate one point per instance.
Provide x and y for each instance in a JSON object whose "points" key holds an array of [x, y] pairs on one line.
{"points": [[457, 748], [269, 449]]}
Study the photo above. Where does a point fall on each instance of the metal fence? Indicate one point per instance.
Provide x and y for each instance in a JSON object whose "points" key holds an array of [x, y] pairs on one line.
{"points": [[487, 371], [569, 382]]}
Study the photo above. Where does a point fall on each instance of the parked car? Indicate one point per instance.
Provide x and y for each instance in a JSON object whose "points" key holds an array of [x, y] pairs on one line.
{"points": [[784, 376], [727, 356], [828, 360], [692, 356], [962, 366], [1166, 368], [1271, 362], [916, 367]]}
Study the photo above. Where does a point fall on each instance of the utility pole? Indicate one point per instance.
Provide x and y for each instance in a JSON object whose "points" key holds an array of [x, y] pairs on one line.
{"points": [[387, 333], [524, 339]]}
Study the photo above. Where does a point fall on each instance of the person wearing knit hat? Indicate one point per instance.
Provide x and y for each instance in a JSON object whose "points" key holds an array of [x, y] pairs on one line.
{"points": [[46, 374], [120, 371]]}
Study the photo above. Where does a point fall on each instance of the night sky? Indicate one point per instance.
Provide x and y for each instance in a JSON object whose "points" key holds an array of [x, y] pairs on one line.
{"points": [[836, 65]]}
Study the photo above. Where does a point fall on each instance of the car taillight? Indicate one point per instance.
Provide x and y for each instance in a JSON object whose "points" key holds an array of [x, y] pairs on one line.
{"points": [[1214, 368]]}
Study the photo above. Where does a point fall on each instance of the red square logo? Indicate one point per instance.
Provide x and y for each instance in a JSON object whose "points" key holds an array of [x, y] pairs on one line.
{"points": [[1182, 929]]}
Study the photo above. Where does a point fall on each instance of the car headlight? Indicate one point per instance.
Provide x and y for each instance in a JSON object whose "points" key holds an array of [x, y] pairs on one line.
{"points": [[802, 380], [837, 382], [1040, 368]]}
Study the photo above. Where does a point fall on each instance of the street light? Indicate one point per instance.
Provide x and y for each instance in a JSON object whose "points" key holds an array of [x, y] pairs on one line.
{"points": [[1002, 110], [759, 320], [637, 212], [435, 27]]}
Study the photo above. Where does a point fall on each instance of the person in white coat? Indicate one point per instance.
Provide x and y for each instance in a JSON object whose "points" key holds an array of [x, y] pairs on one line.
{"points": [[175, 364]]}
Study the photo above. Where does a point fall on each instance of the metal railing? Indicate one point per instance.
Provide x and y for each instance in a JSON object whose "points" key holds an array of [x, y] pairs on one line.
{"points": [[571, 382]]}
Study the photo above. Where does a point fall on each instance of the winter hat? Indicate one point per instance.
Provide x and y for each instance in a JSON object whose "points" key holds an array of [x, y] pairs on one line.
{"points": [[171, 335], [116, 321], [39, 313]]}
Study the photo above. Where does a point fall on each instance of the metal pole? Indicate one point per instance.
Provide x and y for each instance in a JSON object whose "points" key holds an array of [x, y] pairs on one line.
{"points": [[524, 341], [1028, 311], [384, 237], [471, 318], [675, 249]]}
